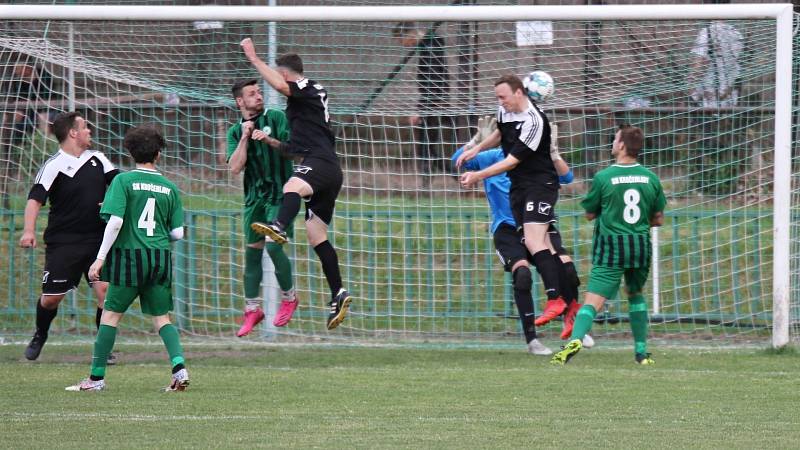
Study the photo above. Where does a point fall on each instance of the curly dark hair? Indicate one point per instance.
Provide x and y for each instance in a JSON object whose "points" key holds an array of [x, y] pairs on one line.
{"points": [[144, 143]]}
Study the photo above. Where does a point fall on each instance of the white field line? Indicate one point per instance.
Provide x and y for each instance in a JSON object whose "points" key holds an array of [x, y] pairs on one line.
{"points": [[24, 416]]}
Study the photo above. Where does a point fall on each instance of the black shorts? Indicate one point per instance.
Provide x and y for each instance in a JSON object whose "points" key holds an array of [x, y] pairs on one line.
{"points": [[555, 239], [325, 179], [509, 243], [64, 264], [535, 204]]}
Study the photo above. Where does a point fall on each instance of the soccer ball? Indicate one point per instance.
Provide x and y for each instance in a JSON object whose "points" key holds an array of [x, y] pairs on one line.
{"points": [[539, 85]]}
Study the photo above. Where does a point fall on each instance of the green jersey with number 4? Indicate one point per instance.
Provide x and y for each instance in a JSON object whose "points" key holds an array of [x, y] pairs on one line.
{"points": [[150, 207], [624, 198]]}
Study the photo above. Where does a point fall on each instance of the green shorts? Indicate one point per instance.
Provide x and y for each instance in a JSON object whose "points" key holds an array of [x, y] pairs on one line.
{"points": [[261, 212], [604, 281], [155, 299]]}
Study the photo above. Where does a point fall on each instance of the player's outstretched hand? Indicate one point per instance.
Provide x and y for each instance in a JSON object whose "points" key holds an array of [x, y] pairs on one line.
{"points": [[469, 179], [94, 270], [486, 126], [28, 240], [466, 155], [249, 48]]}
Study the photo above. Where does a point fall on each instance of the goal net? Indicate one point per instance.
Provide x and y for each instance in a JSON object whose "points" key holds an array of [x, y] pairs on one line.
{"points": [[414, 247]]}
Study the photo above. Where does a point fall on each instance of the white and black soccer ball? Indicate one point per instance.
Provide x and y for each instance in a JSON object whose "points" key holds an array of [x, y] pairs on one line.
{"points": [[539, 85]]}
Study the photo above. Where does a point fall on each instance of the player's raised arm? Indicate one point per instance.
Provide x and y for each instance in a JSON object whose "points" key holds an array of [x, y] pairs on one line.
{"points": [[563, 170], [490, 141], [238, 158], [269, 74], [469, 179]]}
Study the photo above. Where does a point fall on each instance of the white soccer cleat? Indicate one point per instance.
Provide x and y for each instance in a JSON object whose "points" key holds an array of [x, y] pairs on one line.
{"points": [[87, 385], [180, 380], [588, 341], [537, 348]]}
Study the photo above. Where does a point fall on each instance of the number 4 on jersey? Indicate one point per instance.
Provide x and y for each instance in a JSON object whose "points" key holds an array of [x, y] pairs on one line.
{"points": [[147, 219]]}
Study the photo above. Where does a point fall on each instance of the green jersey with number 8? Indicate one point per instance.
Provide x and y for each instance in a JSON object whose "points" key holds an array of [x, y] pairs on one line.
{"points": [[624, 198]]}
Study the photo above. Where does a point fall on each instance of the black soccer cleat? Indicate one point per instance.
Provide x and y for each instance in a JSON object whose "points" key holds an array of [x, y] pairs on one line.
{"points": [[112, 359], [35, 346], [272, 231], [339, 306]]}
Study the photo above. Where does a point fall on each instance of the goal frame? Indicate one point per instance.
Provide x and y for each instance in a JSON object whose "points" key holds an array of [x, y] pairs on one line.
{"points": [[779, 12]]}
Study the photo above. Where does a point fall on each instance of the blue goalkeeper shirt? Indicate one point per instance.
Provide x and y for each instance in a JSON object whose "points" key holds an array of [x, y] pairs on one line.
{"points": [[498, 186]]}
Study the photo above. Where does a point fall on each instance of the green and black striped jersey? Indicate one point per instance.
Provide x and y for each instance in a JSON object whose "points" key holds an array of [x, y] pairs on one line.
{"points": [[150, 207], [266, 170], [624, 198]]}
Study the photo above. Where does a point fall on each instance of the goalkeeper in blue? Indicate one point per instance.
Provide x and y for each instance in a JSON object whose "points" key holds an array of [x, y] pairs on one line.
{"points": [[144, 213], [625, 201], [509, 240]]}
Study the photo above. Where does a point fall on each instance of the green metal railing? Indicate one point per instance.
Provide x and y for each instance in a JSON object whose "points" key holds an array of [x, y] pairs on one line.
{"points": [[439, 281]]}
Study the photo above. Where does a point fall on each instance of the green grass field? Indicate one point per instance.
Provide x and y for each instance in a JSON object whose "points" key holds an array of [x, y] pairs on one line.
{"points": [[347, 397]]}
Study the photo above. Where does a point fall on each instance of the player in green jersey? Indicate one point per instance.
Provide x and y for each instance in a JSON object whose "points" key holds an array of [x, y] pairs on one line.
{"points": [[144, 213], [626, 200], [266, 170]]}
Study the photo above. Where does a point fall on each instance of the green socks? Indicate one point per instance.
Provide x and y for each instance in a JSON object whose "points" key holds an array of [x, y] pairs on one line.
{"points": [[253, 269], [283, 267], [637, 313], [583, 321], [103, 344], [169, 334], [252, 272]]}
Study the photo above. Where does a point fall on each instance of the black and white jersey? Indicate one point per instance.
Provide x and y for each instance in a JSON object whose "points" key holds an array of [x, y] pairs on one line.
{"points": [[75, 188], [309, 120], [526, 135]]}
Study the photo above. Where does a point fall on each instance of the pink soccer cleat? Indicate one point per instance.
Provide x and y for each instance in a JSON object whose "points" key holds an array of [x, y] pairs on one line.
{"points": [[285, 311], [552, 309], [251, 319]]}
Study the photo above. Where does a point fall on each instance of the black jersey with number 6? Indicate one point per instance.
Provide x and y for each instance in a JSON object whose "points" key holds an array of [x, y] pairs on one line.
{"points": [[309, 120], [526, 135]]}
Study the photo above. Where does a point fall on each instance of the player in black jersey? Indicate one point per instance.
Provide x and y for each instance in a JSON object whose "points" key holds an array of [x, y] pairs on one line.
{"points": [[74, 180], [523, 131], [317, 178]]}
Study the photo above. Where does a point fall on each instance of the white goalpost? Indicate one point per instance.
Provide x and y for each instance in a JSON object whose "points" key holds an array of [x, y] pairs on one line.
{"points": [[414, 246]]}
